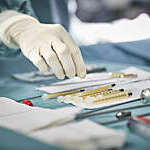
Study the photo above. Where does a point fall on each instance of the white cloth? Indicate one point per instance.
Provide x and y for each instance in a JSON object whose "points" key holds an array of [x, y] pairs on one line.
{"points": [[122, 30], [78, 135], [7, 19]]}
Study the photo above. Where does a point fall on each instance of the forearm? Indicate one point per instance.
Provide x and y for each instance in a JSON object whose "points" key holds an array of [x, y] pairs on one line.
{"points": [[8, 20], [16, 7]]}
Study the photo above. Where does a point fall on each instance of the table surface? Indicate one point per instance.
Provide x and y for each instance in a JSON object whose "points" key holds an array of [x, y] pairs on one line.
{"points": [[15, 89]]}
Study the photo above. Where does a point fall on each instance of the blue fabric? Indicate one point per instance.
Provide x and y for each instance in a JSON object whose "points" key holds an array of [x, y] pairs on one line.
{"points": [[11, 140], [136, 53], [23, 6], [52, 11]]}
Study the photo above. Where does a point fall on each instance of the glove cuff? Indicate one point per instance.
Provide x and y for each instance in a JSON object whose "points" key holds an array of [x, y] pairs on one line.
{"points": [[7, 19]]}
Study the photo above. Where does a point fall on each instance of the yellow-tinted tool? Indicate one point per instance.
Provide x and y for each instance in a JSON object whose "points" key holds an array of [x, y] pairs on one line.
{"points": [[113, 97], [53, 95], [121, 75], [97, 90], [109, 92]]}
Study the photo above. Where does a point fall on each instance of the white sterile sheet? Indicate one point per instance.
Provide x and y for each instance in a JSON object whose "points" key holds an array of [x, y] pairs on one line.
{"points": [[83, 135], [78, 135], [92, 79], [121, 83], [25, 118]]}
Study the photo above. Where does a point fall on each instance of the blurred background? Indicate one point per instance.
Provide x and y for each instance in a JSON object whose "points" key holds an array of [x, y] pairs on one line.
{"points": [[96, 21]]}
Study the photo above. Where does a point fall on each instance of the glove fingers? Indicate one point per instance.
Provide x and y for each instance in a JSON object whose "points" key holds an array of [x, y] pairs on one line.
{"points": [[65, 58], [38, 61], [41, 65], [52, 60], [76, 55]]}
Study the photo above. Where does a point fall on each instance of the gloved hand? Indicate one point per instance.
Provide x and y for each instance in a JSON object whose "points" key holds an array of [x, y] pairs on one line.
{"points": [[47, 46]]}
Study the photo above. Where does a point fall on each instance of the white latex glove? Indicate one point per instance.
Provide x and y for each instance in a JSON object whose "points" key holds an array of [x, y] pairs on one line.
{"points": [[47, 46]]}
